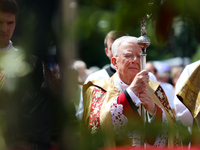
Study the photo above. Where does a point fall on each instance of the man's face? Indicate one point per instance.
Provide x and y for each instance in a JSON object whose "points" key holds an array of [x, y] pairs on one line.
{"points": [[108, 49], [128, 60], [7, 26], [151, 68]]}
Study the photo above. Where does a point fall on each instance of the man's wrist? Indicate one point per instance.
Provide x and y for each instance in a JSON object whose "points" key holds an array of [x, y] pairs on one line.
{"points": [[152, 113], [134, 98]]}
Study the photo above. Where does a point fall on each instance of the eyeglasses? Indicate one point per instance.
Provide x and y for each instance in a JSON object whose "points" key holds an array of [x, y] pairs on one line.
{"points": [[131, 56]]}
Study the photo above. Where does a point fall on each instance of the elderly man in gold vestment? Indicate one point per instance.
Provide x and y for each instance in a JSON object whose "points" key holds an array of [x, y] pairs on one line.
{"points": [[112, 106]]}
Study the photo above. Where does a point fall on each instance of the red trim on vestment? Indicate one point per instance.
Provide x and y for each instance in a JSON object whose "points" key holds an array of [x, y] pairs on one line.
{"points": [[127, 110], [97, 101]]}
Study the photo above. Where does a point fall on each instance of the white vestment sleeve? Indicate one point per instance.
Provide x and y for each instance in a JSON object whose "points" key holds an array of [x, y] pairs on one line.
{"points": [[79, 112]]}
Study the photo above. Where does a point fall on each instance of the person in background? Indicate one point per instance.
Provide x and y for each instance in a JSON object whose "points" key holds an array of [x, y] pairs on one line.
{"points": [[112, 115], [55, 68], [8, 23], [94, 69], [163, 72], [75, 86], [175, 74], [109, 70], [105, 72], [28, 94], [83, 72], [168, 88]]}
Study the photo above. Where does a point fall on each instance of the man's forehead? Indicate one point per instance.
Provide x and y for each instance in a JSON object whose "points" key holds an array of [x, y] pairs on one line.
{"points": [[125, 46], [7, 15], [128, 43]]}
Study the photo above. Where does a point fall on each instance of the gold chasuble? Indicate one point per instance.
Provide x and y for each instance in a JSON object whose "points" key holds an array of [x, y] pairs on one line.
{"points": [[189, 94], [97, 116]]}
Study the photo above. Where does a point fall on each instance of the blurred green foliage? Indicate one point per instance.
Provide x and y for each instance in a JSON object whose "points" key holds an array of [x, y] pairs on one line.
{"points": [[172, 27], [34, 31]]}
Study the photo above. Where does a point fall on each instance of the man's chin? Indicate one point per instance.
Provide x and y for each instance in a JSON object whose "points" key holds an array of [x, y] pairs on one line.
{"points": [[3, 43], [133, 73]]}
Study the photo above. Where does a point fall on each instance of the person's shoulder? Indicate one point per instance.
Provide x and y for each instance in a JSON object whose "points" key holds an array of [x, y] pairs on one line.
{"points": [[194, 64], [152, 77], [167, 85], [97, 72], [101, 83], [101, 74], [191, 67]]}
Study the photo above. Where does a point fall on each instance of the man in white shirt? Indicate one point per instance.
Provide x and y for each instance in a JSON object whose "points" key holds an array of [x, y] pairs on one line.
{"points": [[27, 90]]}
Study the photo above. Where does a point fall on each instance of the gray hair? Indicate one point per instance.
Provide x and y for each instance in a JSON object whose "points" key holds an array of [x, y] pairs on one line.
{"points": [[117, 43]]}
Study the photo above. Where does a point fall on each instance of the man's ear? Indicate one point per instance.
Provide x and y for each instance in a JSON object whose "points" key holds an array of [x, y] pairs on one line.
{"points": [[106, 51], [114, 62]]}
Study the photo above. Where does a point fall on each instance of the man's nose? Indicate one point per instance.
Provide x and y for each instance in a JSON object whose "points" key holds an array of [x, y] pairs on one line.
{"points": [[133, 60], [136, 58]]}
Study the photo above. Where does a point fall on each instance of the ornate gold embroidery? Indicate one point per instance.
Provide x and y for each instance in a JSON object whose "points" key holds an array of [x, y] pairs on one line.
{"points": [[97, 102], [95, 111], [171, 114], [2, 79], [160, 94], [94, 130], [98, 94], [163, 99], [133, 140]]}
